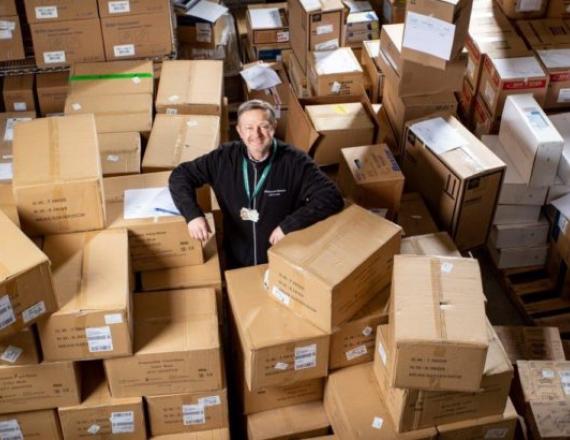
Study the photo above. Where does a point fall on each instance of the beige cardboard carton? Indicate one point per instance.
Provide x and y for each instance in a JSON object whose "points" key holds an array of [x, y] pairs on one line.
{"points": [[438, 243], [20, 349], [120, 153], [52, 90], [368, 59], [335, 72], [11, 45], [38, 11], [268, 24], [414, 216], [531, 343], [18, 93], [32, 424]]}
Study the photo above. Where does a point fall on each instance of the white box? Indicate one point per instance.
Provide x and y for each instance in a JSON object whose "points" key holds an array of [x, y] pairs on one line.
{"points": [[516, 214], [557, 190], [562, 123], [520, 235], [509, 258], [530, 139]]}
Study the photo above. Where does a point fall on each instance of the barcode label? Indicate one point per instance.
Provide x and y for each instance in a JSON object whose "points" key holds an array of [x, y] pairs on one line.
{"points": [[6, 312], [356, 352], [113, 318], [119, 7], [112, 158], [124, 50], [122, 422], [210, 401], [33, 312], [5, 34], [281, 296], [324, 29], [306, 357], [496, 433], [536, 118], [99, 339], [7, 25], [20, 106], [367, 331], [547, 374], [204, 32], [171, 111], [282, 36], [43, 12], [193, 414], [56, 56], [11, 354], [10, 430], [93, 429], [378, 422]]}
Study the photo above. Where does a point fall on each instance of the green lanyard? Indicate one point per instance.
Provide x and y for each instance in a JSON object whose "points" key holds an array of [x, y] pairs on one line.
{"points": [[262, 179]]}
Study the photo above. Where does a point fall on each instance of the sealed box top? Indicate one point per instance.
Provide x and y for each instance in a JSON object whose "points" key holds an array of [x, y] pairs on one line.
{"points": [[175, 320], [371, 164], [346, 116], [108, 78], [264, 16], [86, 275], [49, 150], [521, 67], [555, 59], [438, 299], [261, 321], [333, 248], [544, 380], [338, 61]]}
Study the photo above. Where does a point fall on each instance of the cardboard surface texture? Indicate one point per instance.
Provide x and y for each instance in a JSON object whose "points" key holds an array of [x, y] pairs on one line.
{"points": [[120, 153], [531, 343]]}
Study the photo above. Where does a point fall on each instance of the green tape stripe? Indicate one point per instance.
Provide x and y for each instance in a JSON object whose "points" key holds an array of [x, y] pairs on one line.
{"points": [[110, 76]]}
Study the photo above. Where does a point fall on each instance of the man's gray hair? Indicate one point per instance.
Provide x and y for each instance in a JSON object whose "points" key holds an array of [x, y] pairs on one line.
{"points": [[258, 104]]}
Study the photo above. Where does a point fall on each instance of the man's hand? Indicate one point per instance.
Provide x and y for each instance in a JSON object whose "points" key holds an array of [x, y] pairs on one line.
{"points": [[199, 229], [276, 235]]}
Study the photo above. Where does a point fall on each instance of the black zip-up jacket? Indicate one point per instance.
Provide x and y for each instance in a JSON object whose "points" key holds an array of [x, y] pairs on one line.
{"points": [[295, 195]]}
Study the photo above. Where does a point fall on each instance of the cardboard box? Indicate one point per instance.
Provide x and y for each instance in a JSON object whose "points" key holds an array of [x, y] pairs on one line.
{"points": [[19, 349], [540, 381], [44, 386], [370, 176], [305, 420], [518, 9], [458, 176], [64, 43], [137, 36], [335, 72], [315, 27], [413, 409], [452, 336], [120, 153], [361, 26], [356, 408], [516, 214], [33, 424], [561, 122], [545, 33], [176, 346], [157, 239], [26, 281], [8, 203], [414, 216], [190, 88], [8, 7], [38, 11], [484, 123], [386, 133], [500, 426], [515, 189], [531, 343], [57, 175], [18, 93], [421, 45], [111, 8], [326, 293], [412, 78], [100, 415], [556, 63], [438, 243], [11, 43], [181, 138], [370, 50], [353, 342], [509, 258], [549, 420], [520, 235], [128, 77], [52, 90], [297, 75], [177, 413], [93, 291], [278, 347], [268, 24], [197, 34]]}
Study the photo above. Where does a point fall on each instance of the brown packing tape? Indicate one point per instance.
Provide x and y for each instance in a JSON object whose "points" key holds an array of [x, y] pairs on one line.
{"points": [[85, 249], [54, 153], [439, 317], [182, 140]]}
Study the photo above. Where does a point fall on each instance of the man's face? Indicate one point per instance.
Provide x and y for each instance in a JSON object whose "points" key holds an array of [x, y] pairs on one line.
{"points": [[256, 131]]}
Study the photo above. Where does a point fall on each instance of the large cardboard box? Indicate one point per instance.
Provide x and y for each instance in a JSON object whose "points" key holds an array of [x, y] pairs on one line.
{"points": [[57, 175], [412, 409], [361, 26], [531, 343], [452, 335], [353, 342], [26, 284], [176, 346], [137, 36], [11, 43], [335, 72], [93, 291], [531, 140], [268, 24], [111, 8], [414, 216], [63, 43], [19, 349], [8, 203], [192, 412], [190, 87], [18, 93], [181, 138], [459, 177], [368, 59], [520, 235], [310, 274], [438, 243], [32, 424], [120, 153], [278, 347], [100, 415], [516, 9], [370, 176], [315, 26], [157, 238], [556, 63], [357, 410], [43, 386], [38, 11], [52, 90], [540, 381]]}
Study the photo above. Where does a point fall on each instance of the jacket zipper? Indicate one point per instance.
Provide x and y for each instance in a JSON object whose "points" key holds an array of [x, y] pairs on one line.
{"points": [[253, 223]]}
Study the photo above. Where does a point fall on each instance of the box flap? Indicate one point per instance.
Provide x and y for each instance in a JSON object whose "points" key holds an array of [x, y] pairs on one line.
{"points": [[342, 116], [300, 131], [439, 243]]}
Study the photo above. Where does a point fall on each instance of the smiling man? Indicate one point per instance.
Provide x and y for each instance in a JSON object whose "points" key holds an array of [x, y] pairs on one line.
{"points": [[265, 188]]}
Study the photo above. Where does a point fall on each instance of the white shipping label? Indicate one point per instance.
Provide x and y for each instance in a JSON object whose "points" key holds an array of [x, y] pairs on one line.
{"points": [[113, 318], [94, 429], [547, 374], [204, 32], [378, 422], [306, 357], [470, 68], [528, 5], [489, 94], [99, 339], [446, 267], [536, 118], [324, 29], [20, 106], [565, 379], [53, 57], [382, 353], [335, 88], [438, 135], [7, 25], [282, 36], [5, 34], [281, 366], [281, 296], [6, 312], [76, 106], [6, 172], [11, 354], [124, 50], [122, 422], [367, 331], [34, 311], [171, 111], [356, 352], [428, 35], [10, 430], [496, 433], [327, 45], [563, 95], [119, 7], [113, 158], [43, 12], [193, 414], [210, 401]]}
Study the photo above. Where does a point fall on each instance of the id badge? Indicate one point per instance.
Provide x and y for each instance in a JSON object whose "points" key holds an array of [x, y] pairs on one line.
{"points": [[249, 215]]}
